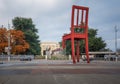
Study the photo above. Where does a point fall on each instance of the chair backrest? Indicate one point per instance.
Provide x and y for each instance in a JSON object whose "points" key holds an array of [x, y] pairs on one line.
{"points": [[79, 19]]}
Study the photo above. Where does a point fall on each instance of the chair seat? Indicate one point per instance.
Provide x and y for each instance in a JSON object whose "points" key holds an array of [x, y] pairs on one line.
{"points": [[75, 35]]}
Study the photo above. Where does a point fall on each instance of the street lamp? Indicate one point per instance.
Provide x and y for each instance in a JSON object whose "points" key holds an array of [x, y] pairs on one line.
{"points": [[116, 38], [8, 42]]}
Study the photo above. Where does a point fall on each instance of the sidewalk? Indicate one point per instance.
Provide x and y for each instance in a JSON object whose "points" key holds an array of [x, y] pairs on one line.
{"points": [[44, 61]]}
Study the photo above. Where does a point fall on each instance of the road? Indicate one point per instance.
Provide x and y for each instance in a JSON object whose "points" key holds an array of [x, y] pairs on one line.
{"points": [[60, 72]]}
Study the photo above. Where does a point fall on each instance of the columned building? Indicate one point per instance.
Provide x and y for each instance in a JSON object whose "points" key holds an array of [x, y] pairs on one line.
{"points": [[49, 46]]}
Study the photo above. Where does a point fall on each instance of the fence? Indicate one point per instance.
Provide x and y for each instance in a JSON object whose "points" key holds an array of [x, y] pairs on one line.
{"points": [[111, 58], [12, 57]]}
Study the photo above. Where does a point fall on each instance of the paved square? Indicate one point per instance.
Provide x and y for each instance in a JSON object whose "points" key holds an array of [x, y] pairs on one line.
{"points": [[60, 72]]}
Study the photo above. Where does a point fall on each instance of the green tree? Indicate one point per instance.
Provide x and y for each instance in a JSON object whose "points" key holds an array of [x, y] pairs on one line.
{"points": [[95, 43], [26, 25]]}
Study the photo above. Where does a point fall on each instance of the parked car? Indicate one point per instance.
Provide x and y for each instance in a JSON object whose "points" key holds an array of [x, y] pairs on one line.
{"points": [[26, 58]]}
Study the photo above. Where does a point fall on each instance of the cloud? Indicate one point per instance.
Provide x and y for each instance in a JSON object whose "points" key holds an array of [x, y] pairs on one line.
{"points": [[32, 8], [111, 44], [53, 17], [58, 26], [49, 16]]}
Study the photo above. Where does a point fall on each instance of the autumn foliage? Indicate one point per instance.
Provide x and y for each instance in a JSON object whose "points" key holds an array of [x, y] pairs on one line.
{"points": [[17, 43]]}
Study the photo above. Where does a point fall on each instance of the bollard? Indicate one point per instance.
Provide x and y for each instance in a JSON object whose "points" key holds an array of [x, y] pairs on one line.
{"points": [[116, 58], [8, 58], [69, 57], [46, 57]]}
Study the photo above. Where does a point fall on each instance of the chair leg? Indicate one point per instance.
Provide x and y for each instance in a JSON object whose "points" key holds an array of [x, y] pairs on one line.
{"points": [[73, 50], [87, 50], [63, 43], [78, 51]]}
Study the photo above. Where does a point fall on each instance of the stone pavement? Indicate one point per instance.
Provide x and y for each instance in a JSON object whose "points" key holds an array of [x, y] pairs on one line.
{"points": [[61, 72]]}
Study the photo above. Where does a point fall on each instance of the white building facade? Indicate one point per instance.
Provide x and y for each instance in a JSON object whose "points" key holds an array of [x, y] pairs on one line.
{"points": [[48, 46]]}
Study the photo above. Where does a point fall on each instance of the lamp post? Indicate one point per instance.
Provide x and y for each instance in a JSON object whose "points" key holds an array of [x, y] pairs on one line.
{"points": [[8, 42], [116, 39]]}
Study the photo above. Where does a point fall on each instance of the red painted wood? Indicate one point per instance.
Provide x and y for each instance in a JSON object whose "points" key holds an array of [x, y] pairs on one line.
{"points": [[80, 23]]}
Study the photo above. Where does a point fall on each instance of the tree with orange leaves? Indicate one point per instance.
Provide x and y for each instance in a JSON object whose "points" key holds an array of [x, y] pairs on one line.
{"points": [[17, 43], [3, 39]]}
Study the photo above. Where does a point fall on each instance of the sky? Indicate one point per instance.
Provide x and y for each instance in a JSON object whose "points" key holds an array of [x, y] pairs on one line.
{"points": [[52, 17]]}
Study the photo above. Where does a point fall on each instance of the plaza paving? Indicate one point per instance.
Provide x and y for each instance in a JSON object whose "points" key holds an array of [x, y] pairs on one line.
{"points": [[59, 72]]}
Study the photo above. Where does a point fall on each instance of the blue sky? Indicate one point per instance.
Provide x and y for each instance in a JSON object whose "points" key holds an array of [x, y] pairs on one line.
{"points": [[52, 17]]}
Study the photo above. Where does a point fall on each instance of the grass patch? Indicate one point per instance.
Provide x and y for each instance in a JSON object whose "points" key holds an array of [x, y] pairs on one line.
{"points": [[39, 57]]}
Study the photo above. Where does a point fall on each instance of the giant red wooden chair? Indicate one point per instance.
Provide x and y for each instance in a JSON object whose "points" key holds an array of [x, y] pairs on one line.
{"points": [[79, 20]]}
